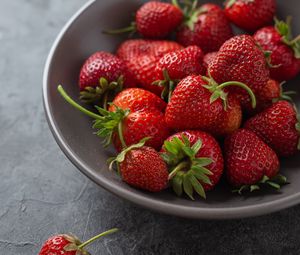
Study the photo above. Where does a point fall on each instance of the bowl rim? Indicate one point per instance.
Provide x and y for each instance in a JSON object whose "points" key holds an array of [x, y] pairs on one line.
{"points": [[139, 199]]}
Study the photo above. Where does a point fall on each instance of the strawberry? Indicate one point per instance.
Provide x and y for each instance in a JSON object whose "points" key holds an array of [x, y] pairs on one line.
{"points": [[284, 52], [230, 119], [131, 49], [143, 69], [154, 19], [278, 127], [240, 59], [69, 244], [142, 167], [101, 74], [124, 127], [208, 58], [195, 160], [250, 162], [136, 99], [250, 14], [197, 103], [206, 27], [178, 65]]}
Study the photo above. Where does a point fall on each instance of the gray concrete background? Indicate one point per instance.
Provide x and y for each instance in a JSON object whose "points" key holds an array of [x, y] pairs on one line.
{"points": [[41, 192]]}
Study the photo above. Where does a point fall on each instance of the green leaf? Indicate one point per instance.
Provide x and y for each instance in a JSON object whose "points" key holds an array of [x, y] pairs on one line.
{"points": [[197, 146], [188, 151], [197, 186], [177, 185], [201, 177], [186, 141], [254, 187], [187, 186], [203, 161], [169, 147], [215, 96], [201, 169], [264, 179], [280, 179], [273, 184]]}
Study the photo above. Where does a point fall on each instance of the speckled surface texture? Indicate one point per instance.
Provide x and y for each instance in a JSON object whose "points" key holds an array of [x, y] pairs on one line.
{"points": [[42, 193]]}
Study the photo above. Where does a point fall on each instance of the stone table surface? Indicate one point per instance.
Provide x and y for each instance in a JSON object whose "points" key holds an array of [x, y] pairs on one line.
{"points": [[42, 193]]}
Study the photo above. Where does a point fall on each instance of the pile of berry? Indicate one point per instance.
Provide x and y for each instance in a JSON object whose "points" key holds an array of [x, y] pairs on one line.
{"points": [[182, 113]]}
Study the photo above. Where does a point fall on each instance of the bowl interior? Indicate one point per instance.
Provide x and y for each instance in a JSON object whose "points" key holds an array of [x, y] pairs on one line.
{"points": [[82, 37]]}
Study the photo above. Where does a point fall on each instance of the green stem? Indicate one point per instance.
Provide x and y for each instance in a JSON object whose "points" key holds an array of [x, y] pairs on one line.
{"points": [[175, 3], [131, 28], [76, 105], [120, 133], [241, 85], [182, 165], [108, 232], [105, 98]]}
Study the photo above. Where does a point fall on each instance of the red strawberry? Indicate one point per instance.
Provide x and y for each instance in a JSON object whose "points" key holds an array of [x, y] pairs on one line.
{"points": [[230, 119], [137, 125], [266, 96], [154, 19], [143, 69], [131, 49], [250, 14], [69, 244], [142, 167], [196, 162], [240, 59], [284, 51], [278, 127], [102, 73], [178, 65], [250, 162], [197, 103], [136, 99], [207, 27], [208, 58], [125, 127]]}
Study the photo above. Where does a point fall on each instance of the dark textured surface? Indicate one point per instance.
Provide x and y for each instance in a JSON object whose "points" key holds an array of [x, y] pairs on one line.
{"points": [[42, 193]]}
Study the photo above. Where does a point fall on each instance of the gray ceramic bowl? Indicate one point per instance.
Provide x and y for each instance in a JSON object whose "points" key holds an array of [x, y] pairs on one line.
{"points": [[72, 130]]}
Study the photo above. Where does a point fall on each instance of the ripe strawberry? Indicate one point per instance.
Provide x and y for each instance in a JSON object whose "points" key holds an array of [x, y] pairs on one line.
{"points": [[142, 167], [284, 51], [124, 127], [136, 99], [197, 103], [207, 27], [137, 125], [195, 160], [143, 69], [177, 65], [69, 244], [230, 119], [208, 58], [101, 74], [278, 127], [250, 162], [250, 14], [131, 49], [266, 96], [154, 19], [240, 59]]}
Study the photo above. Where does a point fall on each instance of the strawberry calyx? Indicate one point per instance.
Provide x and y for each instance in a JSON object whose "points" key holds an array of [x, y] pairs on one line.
{"points": [[102, 92], [284, 95], [168, 85], [285, 30], [275, 182], [76, 245], [191, 13], [121, 156], [107, 123], [218, 92], [188, 173]]}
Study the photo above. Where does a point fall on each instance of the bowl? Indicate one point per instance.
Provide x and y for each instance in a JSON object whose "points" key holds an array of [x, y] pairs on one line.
{"points": [[81, 37]]}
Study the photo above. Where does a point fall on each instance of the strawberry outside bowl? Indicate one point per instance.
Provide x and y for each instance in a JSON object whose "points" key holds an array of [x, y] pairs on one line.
{"points": [[81, 37]]}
